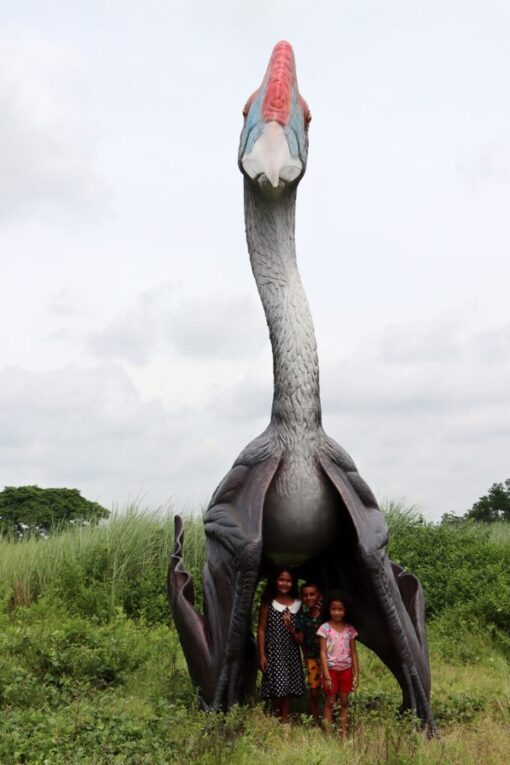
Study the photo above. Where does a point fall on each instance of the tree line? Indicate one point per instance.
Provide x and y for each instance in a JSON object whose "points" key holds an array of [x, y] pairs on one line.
{"points": [[28, 511], [493, 506], [31, 511]]}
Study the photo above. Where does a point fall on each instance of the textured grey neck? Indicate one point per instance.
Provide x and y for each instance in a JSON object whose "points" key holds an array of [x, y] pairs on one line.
{"points": [[301, 510], [270, 227]]}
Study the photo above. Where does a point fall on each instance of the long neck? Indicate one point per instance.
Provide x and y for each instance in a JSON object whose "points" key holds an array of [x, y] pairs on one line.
{"points": [[270, 226]]}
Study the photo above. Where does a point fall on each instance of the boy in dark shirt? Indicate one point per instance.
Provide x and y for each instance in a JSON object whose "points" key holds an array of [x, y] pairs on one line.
{"points": [[307, 623]]}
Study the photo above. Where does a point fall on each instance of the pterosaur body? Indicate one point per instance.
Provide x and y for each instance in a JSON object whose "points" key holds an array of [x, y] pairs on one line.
{"points": [[293, 496]]}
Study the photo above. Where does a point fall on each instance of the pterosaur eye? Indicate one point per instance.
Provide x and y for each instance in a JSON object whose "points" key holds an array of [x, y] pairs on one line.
{"points": [[308, 118], [248, 104]]}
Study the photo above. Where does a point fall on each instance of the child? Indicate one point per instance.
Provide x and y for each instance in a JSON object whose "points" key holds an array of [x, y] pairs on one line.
{"points": [[339, 658], [307, 623], [279, 658]]}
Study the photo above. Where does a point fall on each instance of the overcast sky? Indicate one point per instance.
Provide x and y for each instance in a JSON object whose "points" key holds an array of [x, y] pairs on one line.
{"points": [[135, 360]]}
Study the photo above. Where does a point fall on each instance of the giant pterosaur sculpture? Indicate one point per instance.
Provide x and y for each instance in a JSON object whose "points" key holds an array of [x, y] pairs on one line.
{"points": [[293, 496]]}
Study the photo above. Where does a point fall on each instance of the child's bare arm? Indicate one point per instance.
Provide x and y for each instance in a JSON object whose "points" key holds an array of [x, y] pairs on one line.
{"points": [[355, 665], [261, 636], [324, 664]]}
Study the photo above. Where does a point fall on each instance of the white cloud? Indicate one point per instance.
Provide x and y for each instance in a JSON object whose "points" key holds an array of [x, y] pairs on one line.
{"points": [[425, 410], [438, 366], [490, 165], [46, 146], [167, 319], [90, 429], [216, 327]]}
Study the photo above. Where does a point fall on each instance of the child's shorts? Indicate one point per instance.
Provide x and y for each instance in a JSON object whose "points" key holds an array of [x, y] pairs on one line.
{"points": [[313, 672], [341, 680]]}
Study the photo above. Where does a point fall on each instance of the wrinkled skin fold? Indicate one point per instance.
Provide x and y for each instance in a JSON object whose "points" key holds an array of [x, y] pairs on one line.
{"points": [[219, 646]]}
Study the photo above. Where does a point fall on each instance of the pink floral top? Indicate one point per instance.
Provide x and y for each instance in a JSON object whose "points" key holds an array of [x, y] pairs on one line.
{"points": [[338, 645]]}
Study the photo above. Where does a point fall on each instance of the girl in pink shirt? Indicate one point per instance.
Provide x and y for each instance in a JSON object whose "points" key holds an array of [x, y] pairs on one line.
{"points": [[339, 658]]}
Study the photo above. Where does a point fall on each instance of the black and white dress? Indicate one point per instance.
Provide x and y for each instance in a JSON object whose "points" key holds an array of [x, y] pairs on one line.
{"points": [[284, 673]]}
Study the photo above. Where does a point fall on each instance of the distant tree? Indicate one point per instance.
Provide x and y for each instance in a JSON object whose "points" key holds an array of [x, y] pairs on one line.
{"points": [[452, 519], [29, 510], [493, 506]]}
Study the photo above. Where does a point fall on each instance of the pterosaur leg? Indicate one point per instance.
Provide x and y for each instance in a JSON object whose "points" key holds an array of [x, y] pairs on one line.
{"points": [[212, 642], [390, 610], [218, 646]]}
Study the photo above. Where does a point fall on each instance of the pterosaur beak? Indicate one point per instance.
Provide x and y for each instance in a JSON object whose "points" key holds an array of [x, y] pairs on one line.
{"points": [[270, 157]]}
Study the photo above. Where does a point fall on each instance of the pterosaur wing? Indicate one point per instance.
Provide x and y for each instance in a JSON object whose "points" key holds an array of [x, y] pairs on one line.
{"points": [[411, 593], [233, 527], [390, 609]]}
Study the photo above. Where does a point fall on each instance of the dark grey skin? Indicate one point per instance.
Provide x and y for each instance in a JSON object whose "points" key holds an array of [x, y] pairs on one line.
{"points": [[293, 496]]}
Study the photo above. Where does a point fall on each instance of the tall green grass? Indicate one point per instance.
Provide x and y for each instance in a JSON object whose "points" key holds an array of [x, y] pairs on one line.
{"points": [[499, 532], [122, 563], [91, 673], [400, 515], [119, 563]]}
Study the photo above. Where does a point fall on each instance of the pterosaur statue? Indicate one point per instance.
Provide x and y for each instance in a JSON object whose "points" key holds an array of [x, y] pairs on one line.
{"points": [[293, 496]]}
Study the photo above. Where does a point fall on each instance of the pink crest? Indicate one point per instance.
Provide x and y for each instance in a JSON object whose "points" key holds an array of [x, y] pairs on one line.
{"points": [[281, 79]]}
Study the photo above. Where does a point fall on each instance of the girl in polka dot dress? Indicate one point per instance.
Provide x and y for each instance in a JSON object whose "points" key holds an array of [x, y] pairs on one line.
{"points": [[279, 656]]}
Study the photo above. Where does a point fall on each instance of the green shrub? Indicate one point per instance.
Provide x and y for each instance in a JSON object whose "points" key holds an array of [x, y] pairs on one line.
{"points": [[459, 566], [63, 650]]}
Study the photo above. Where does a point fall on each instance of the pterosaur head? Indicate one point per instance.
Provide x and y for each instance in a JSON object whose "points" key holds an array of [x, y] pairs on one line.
{"points": [[274, 140]]}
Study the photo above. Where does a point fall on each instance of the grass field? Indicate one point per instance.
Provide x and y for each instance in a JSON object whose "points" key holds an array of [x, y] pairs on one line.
{"points": [[91, 670]]}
